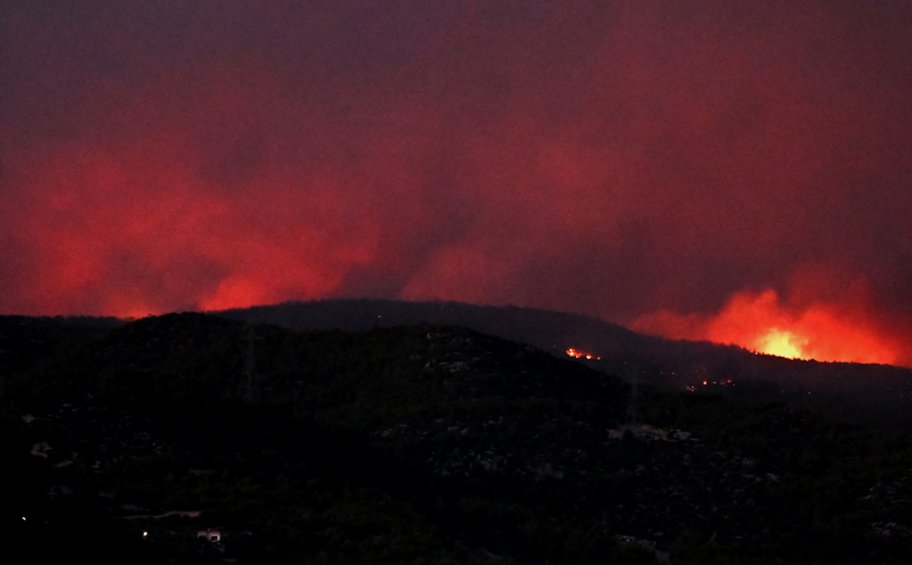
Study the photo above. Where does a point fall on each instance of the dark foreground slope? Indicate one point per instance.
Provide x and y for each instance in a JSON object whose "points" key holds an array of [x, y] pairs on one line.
{"points": [[422, 444], [858, 392]]}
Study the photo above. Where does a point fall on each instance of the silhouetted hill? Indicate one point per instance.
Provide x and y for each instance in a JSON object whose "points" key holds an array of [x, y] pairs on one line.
{"points": [[872, 393], [23, 339], [415, 444]]}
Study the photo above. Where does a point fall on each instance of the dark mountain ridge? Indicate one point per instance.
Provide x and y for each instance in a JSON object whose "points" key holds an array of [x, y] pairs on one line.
{"points": [[417, 444], [862, 392]]}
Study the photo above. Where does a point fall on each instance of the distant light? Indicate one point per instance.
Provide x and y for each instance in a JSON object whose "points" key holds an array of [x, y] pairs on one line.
{"points": [[145, 534], [24, 519]]}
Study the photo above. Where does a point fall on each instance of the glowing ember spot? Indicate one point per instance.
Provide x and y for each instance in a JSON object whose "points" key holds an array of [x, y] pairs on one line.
{"points": [[580, 354], [782, 343]]}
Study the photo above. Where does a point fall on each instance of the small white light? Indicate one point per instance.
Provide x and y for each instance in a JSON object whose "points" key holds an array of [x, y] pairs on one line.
{"points": [[24, 519], [145, 534]]}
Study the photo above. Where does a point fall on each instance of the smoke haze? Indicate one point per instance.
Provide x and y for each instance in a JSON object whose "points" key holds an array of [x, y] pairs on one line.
{"points": [[712, 170]]}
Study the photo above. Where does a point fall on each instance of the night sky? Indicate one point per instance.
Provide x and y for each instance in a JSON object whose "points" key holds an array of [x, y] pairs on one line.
{"points": [[734, 171]]}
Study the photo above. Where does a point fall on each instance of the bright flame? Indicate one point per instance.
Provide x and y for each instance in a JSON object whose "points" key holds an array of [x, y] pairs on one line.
{"points": [[762, 323], [781, 343], [580, 354]]}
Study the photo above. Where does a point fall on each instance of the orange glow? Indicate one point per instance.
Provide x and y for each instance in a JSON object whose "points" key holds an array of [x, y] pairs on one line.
{"points": [[136, 313], [781, 343], [580, 354], [763, 323]]}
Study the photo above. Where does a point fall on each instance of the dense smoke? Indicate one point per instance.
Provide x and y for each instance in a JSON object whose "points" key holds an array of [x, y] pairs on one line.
{"points": [[713, 170]]}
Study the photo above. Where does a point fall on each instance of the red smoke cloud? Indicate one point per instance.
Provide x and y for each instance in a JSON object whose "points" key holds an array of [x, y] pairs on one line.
{"points": [[707, 171]]}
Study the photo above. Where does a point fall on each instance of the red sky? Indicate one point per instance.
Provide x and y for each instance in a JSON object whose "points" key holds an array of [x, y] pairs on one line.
{"points": [[734, 171]]}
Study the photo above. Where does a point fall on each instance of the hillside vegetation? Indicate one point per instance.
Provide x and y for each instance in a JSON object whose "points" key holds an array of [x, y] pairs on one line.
{"points": [[413, 444], [871, 394]]}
